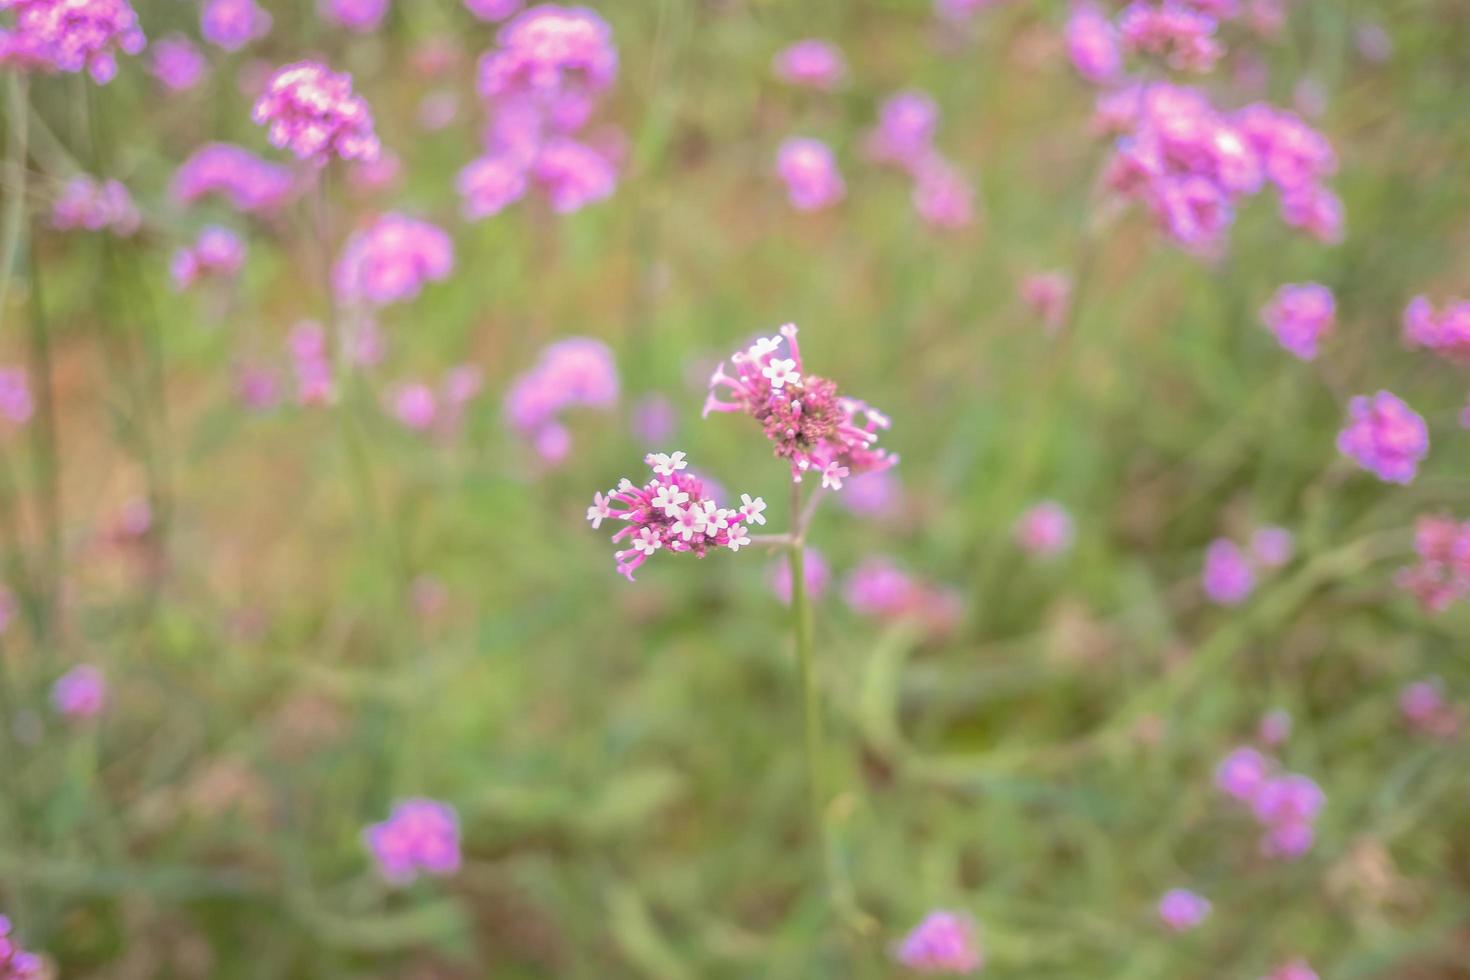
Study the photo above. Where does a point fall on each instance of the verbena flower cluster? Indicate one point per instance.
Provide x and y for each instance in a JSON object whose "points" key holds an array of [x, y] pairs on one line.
{"points": [[942, 943], [391, 260], [881, 589], [1230, 572], [177, 63], [1442, 575], [232, 24], [1385, 436], [809, 424], [70, 36], [540, 85], [16, 404], [361, 16], [809, 170], [672, 512], [1301, 316], [571, 373], [1285, 804], [248, 183], [1426, 709], [423, 408], [312, 111], [420, 836], [904, 138], [93, 205], [217, 252], [812, 63], [80, 693], [15, 962], [1045, 529]]}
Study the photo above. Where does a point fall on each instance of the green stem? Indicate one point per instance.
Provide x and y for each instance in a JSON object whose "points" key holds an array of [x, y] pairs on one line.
{"points": [[16, 151], [801, 625]]}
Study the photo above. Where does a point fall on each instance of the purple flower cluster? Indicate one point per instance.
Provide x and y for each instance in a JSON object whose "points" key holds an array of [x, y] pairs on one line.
{"points": [[1045, 530], [811, 63], [879, 588], [1300, 316], [492, 10], [250, 184], [1229, 573], [1285, 804], [421, 407], [673, 511], [1385, 437], [1049, 296], [1446, 333], [810, 173], [540, 85], [177, 63], [313, 111], [95, 205], [1092, 44], [390, 261], [80, 694], [1442, 576], [1181, 909], [16, 963], [361, 16], [232, 24], [1297, 159], [943, 942], [217, 252], [1171, 30], [16, 404], [419, 837], [312, 363], [575, 372], [1426, 709], [811, 426], [904, 138], [71, 36]]}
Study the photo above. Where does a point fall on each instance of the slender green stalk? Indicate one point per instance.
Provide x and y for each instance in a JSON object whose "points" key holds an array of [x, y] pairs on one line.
{"points": [[801, 626], [17, 149]]}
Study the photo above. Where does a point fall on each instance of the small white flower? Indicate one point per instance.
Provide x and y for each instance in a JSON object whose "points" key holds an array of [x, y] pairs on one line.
{"points": [[664, 464], [668, 499], [689, 522], [599, 510], [716, 519], [833, 474], [779, 372], [647, 541], [753, 511], [738, 538], [764, 346]]}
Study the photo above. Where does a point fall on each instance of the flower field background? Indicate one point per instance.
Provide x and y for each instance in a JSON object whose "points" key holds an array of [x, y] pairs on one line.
{"points": [[1139, 614]]}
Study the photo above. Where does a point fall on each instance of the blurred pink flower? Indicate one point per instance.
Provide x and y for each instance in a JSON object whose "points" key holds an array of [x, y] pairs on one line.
{"points": [[307, 344], [362, 16], [250, 184], [1300, 316], [1442, 575], [16, 404], [812, 64], [1227, 576], [420, 836], [810, 172], [572, 174], [1275, 726], [71, 36], [177, 63], [95, 206], [1297, 969], [1170, 30], [1385, 437], [258, 388], [80, 693], [1242, 773], [217, 252], [942, 195], [875, 494], [943, 942], [1446, 333], [391, 260], [960, 12], [1272, 546], [1426, 709], [493, 10], [904, 135], [550, 50], [815, 570], [232, 24], [575, 372], [313, 111], [1045, 529], [1049, 295], [1181, 909], [1092, 44], [15, 962]]}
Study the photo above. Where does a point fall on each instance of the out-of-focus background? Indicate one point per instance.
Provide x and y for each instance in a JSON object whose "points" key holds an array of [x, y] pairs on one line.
{"points": [[298, 614]]}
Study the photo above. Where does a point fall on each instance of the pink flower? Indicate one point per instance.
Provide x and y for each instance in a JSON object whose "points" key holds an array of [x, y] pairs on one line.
{"points": [[362, 16], [420, 407], [1301, 316], [1446, 333], [1275, 726], [71, 36], [576, 372], [16, 404], [1045, 530], [549, 50], [307, 343], [944, 942], [810, 172], [1092, 44], [1442, 576], [232, 24], [218, 252], [812, 64], [420, 836], [572, 175], [1049, 295], [814, 568], [250, 184], [1182, 910], [1227, 577], [904, 135], [653, 419], [672, 512], [391, 260], [415, 406], [1242, 773], [490, 184], [810, 425], [257, 388], [492, 10], [942, 196], [16, 963], [1426, 709], [1297, 969], [378, 174], [875, 494], [177, 63], [959, 12], [1287, 806], [1272, 546], [80, 693], [95, 206], [1172, 31], [1385, 437], [312, 110]]}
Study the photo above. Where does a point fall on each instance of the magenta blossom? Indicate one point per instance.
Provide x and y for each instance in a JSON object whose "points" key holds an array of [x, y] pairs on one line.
{"points": [[489, 185], [16, 963], [813, 181], [550, 50], [391, 260], [672, 512], [1272, 546], [1181, 909], [313, 111], [1287, 806], [811, 64], [1296, 969], [1242, 773], [420, 836], [1442, 575], [1446, 333], [942, 195], [812, 427], [576, 372], [904, 136], [307, 344], [16, 404], [362, 16], [1045, 530], [1092, 44], [218, 252], [1300, 316], [880, 589], [177, 63], [1183, 37], [80, 694], [257, 387], [71, 36], [572, 174], [250, 185], [1385, 437], [1275, 726], [944, 942], [95, 206], [814, 569], [1425, 708], [1227, 577], [493, 10], [421, 407], [232, 24]]}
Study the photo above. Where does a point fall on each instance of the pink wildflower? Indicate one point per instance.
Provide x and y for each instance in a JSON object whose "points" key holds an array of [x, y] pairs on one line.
{"points": [[1227, 576], [1181, 909], [177, 63], [71, 36], [232, 24], [1385, 437], [811, 425], [1092, 44], [218, 252], [250, 184], [1296, 969], [814, 569], [810, 172], [942, 196], [943, 942], [904, 135], [960, 12], [307, 343], [1442, 576], [875, 494], [1446, 333], [576, 372], [1275, 726], [1426, 709], [391, 260], [16, 963], [95, 206], [80, 694], [16, 404], [313, 111], [1183, 37], [492, 10], [550, 50], [1301, 316], [572, 174], [811, 64], [256, 387], [362, 16], [1045, 530], [1272, 546], [420, 836], [1242, 773], [1287, 806], [489, 185]]}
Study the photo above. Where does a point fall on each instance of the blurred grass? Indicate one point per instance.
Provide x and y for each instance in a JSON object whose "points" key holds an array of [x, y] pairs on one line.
{"points": [[624, 756]]}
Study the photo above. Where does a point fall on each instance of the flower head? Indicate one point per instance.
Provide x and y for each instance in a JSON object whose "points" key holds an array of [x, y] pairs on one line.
{"points": [[250, 185], [1300, 316], [904, 135], [812, 64], [550, 50], [1183, 37], [1045, 529], [1182, 910], [177, 63], [1442, 575], [492, 10], [313, 111], [71, 36], [1242, 773], [1446, 333], [232, 24], [1227, 577], [1092, 44], [362, 16], [420, 836], [16, 404], [810, 172], [95, 206], [810, 425], [943, 942], [575, 372], [80, 693], [391, 260], [16, 963], [1385, 437], [1272, 546], [218, 252]]}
